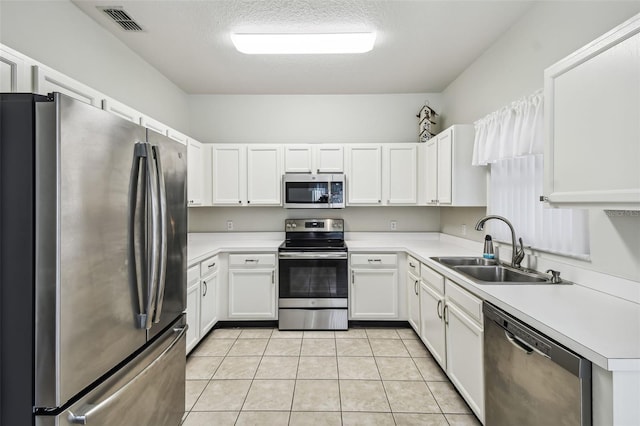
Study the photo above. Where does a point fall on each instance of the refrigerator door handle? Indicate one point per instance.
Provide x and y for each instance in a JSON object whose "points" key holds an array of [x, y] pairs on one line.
{"points": [[155, 243], [162, 261], [93, 409], [137, 231]]}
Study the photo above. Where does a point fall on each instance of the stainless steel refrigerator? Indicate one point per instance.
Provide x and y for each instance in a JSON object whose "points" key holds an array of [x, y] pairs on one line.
{"points": [[93, 228]]}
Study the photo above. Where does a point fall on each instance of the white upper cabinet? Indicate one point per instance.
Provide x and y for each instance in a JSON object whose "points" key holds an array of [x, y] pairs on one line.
{"points": [[297, 158], [310, 158], [328, 158], [264, 174], [400, 174], [195, 173], [592, 110], [154, 125], [177, 136], [14, 71], [47, 80], [121, 110], [364, 174], [228, 170], [451, 179]]}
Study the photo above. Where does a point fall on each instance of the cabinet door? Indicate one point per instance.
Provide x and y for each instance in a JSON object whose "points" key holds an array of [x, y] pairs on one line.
{"points": [[431, 189], [587, 165], [432, 329], [46, 80], [14, 72], [297, 158], [364, 179], [329, 158], [264, 175], [195, 178], [228, 174], [208, 303], [193, 316], [413, 296], [445, 146], [374, 294], [121, 110], [401, 174], [465, 356], [252, 294]]}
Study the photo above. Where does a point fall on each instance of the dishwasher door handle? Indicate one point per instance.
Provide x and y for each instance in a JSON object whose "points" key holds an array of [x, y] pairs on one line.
{"points": [[523, 346]]}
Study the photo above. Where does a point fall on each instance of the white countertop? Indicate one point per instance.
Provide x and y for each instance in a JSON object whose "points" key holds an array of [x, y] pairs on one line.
{"points": [[600, 327]]}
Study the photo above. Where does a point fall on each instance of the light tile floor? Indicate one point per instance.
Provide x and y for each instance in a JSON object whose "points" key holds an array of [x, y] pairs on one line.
{"points": [[373, 376]]}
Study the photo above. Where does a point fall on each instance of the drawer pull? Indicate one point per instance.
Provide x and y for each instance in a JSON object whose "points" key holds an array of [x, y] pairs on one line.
{"points": [[212, 265], [412, 265], [374, 260], [251, 260]]}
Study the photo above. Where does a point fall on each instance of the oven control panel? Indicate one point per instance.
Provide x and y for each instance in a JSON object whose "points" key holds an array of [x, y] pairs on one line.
{"points": [[314, 225]]}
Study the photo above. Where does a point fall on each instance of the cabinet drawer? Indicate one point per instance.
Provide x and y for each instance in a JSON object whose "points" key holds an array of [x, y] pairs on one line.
{"points": [[252, 260], [193, 275], [209, 266], [374, 259], [432, 278], [465, 300], [413, 266]]}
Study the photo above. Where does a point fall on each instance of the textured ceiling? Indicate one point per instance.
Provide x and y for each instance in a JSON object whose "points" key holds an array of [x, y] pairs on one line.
{"points": [[421, 45]]}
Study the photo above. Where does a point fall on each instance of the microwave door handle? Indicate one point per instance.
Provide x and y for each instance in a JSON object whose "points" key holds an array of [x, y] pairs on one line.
{"points": [[162, 261]]}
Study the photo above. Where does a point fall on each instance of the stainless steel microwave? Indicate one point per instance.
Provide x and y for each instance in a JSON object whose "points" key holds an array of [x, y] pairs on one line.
{"points": [[313, 191]]}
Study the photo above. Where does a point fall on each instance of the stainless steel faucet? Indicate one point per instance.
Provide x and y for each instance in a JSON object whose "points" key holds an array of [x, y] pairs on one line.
{"points": [[518, 253]]}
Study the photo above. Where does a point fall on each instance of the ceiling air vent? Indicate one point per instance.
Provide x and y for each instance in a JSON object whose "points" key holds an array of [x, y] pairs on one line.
{"points": [[121, 18]]}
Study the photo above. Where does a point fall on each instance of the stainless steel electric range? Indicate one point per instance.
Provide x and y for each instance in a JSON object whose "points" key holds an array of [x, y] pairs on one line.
{"points": [[313, 274]]}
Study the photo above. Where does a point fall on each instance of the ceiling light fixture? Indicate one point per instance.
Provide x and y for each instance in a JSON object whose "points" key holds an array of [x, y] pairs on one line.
{"points": [[289, 44]]}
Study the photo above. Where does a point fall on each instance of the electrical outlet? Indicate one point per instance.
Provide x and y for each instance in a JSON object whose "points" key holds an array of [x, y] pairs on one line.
{"points": [[394, 225], [229, 225], [464, 229]]}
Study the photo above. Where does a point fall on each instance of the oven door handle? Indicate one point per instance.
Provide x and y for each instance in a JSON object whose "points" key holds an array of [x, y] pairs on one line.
{"points": [[311, 255]]}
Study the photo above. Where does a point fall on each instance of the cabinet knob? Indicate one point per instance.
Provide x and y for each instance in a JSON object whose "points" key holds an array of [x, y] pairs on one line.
{"points": [[239, 201], [248, 202]]}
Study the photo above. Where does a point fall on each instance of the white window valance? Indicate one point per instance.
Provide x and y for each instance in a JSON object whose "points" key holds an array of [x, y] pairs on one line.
{"points": [[511, 132]]}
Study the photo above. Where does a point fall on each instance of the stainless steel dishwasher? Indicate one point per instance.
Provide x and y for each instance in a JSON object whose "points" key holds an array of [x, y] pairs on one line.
{"points": [[530, 379]]}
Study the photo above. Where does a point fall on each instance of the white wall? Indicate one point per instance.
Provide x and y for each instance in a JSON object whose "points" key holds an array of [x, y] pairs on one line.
{"points": [[373, 219], [59, 35], [513, 67], [307, 118]]}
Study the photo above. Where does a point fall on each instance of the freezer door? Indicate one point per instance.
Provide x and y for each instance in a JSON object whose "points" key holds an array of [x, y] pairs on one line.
{"points": [[172, 288], [86, 294], [150, 390]]}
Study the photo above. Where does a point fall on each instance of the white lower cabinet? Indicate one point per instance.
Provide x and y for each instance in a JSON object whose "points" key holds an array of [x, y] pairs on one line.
{"points": [[374, 286], [464, 357], [451, 328], [209, 297], [432, 331], [252, 286], [202, 300], [413, 293], [193, 307]]}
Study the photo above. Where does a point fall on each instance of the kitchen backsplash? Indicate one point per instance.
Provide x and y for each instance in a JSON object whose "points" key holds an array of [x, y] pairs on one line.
{"points": [[357, 219]]}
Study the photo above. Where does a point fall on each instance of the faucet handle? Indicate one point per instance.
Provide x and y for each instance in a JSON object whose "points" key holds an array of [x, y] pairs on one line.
{"points": [[518, 254], [555, 276]]}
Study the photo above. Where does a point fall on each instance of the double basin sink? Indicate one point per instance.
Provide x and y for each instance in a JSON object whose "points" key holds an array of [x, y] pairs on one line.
{"points": [[490, 271]]}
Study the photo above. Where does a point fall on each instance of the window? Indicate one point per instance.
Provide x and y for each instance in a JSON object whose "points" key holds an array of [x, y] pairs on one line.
{"points": [[514, 192], [511, 141]]}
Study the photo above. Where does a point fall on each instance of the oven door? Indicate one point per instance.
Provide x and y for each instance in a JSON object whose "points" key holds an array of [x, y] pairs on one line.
{"points": [[313, 275]]}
